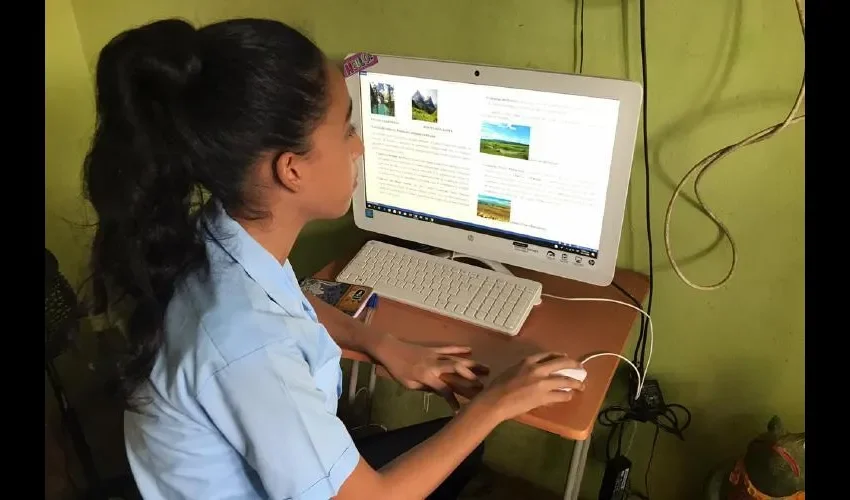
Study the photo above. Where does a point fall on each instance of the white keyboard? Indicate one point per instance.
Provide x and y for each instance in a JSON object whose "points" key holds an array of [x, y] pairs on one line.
{"points": [[486, 298]]}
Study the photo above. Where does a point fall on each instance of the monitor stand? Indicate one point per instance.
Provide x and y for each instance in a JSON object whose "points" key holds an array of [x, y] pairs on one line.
{"points": [[479, 262], [448, 254], [476, 261]]}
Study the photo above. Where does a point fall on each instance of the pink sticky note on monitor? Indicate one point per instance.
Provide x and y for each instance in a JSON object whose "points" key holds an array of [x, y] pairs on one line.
{"points": [[357, 63]]}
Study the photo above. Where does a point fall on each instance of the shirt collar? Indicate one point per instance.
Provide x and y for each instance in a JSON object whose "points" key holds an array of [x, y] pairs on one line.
{"points": [[278, 281]]}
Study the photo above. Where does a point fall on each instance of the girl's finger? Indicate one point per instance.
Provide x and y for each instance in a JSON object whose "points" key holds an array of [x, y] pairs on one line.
{"points": [[555, 397], [543, 356], [465, 372], [453, 349], [445, 391], [473, 365], [451, 366], [556, 382]]}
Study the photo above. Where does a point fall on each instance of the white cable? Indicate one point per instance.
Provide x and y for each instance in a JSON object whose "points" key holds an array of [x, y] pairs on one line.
{"points": [[702, 167], [641, 377]]}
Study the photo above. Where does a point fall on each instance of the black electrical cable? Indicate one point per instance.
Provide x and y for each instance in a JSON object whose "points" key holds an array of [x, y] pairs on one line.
{"points": [[641, 342], [581, 37], [608, 456], [640, 347], [639, 356], [620, 438], [666, 419], [649, 464], [631, 297], [616, 417]]}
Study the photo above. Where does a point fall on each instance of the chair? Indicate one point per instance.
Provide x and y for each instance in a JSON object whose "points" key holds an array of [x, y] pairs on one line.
{"points": [[62, 316]]}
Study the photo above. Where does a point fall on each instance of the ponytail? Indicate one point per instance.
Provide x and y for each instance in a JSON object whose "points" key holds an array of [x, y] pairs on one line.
{"points": [[139, 179], [182, 114]]}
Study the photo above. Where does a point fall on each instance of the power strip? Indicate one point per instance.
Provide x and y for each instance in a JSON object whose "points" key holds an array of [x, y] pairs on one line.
{"points": [[651, 401]]}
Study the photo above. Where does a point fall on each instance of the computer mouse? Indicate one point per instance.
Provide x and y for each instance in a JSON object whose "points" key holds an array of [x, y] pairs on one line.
{"points": [[575, 373]]}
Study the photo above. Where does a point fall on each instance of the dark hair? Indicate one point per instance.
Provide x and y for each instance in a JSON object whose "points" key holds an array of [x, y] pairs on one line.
{"points": [[182, 117]]}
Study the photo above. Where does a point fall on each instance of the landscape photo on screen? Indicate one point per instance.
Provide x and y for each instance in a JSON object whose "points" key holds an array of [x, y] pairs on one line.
{"points": [[504, 139], [382, 99], [494, 208], [424, 106]]}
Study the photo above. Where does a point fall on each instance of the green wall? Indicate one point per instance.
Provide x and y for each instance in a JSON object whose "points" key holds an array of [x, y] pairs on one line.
{"points": [[69, 108], [718, 71]]}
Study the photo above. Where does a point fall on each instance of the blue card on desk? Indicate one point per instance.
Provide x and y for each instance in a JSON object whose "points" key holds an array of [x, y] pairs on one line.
{"points": [[348, 298]]}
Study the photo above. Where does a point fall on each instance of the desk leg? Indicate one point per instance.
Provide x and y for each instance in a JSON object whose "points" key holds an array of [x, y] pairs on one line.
{"points": [[576, 469], [352, 382], [373, 376]]}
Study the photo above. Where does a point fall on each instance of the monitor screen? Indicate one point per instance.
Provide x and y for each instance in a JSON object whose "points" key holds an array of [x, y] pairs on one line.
{"points": [[521, 164]]}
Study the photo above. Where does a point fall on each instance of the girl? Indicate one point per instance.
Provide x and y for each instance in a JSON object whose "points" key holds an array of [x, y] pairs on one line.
{"points": [[213, 148]]}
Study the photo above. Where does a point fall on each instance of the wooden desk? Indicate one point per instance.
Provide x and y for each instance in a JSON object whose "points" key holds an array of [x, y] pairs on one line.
{"points": [[577, 328]]}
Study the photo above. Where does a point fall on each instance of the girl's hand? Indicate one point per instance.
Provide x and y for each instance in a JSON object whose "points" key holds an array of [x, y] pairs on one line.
{"points": [[420, 367], [530, 384]]}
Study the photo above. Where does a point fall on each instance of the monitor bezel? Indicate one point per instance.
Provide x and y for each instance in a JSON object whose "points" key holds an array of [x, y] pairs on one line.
{"points": [[498, 249]]}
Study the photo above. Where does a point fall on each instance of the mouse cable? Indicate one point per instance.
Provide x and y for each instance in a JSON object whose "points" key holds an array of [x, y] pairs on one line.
{"points": [[641, 335], [640, 377], [706, 163], [663, 419]]}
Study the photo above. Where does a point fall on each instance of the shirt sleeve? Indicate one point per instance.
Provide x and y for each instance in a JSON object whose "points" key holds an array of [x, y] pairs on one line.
{"points": [[268, 407]]}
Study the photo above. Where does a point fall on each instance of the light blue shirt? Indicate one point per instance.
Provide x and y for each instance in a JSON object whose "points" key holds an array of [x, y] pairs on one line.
{"points": [[243, 395]]}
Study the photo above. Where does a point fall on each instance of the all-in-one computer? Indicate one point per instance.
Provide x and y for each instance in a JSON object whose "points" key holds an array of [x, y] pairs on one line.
{"points": [[507, 166]]}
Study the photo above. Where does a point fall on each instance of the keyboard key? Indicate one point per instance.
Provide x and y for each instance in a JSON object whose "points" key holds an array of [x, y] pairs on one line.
{"points": [[513, 320], [461, 298]]}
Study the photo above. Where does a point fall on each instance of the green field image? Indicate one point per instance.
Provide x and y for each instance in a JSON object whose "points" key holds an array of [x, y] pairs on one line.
{"points": [[493, 208], [509, 141]]}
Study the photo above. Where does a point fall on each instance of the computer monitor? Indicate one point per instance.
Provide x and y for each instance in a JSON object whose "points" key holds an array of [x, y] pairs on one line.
{"points": [[521, 167]]}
